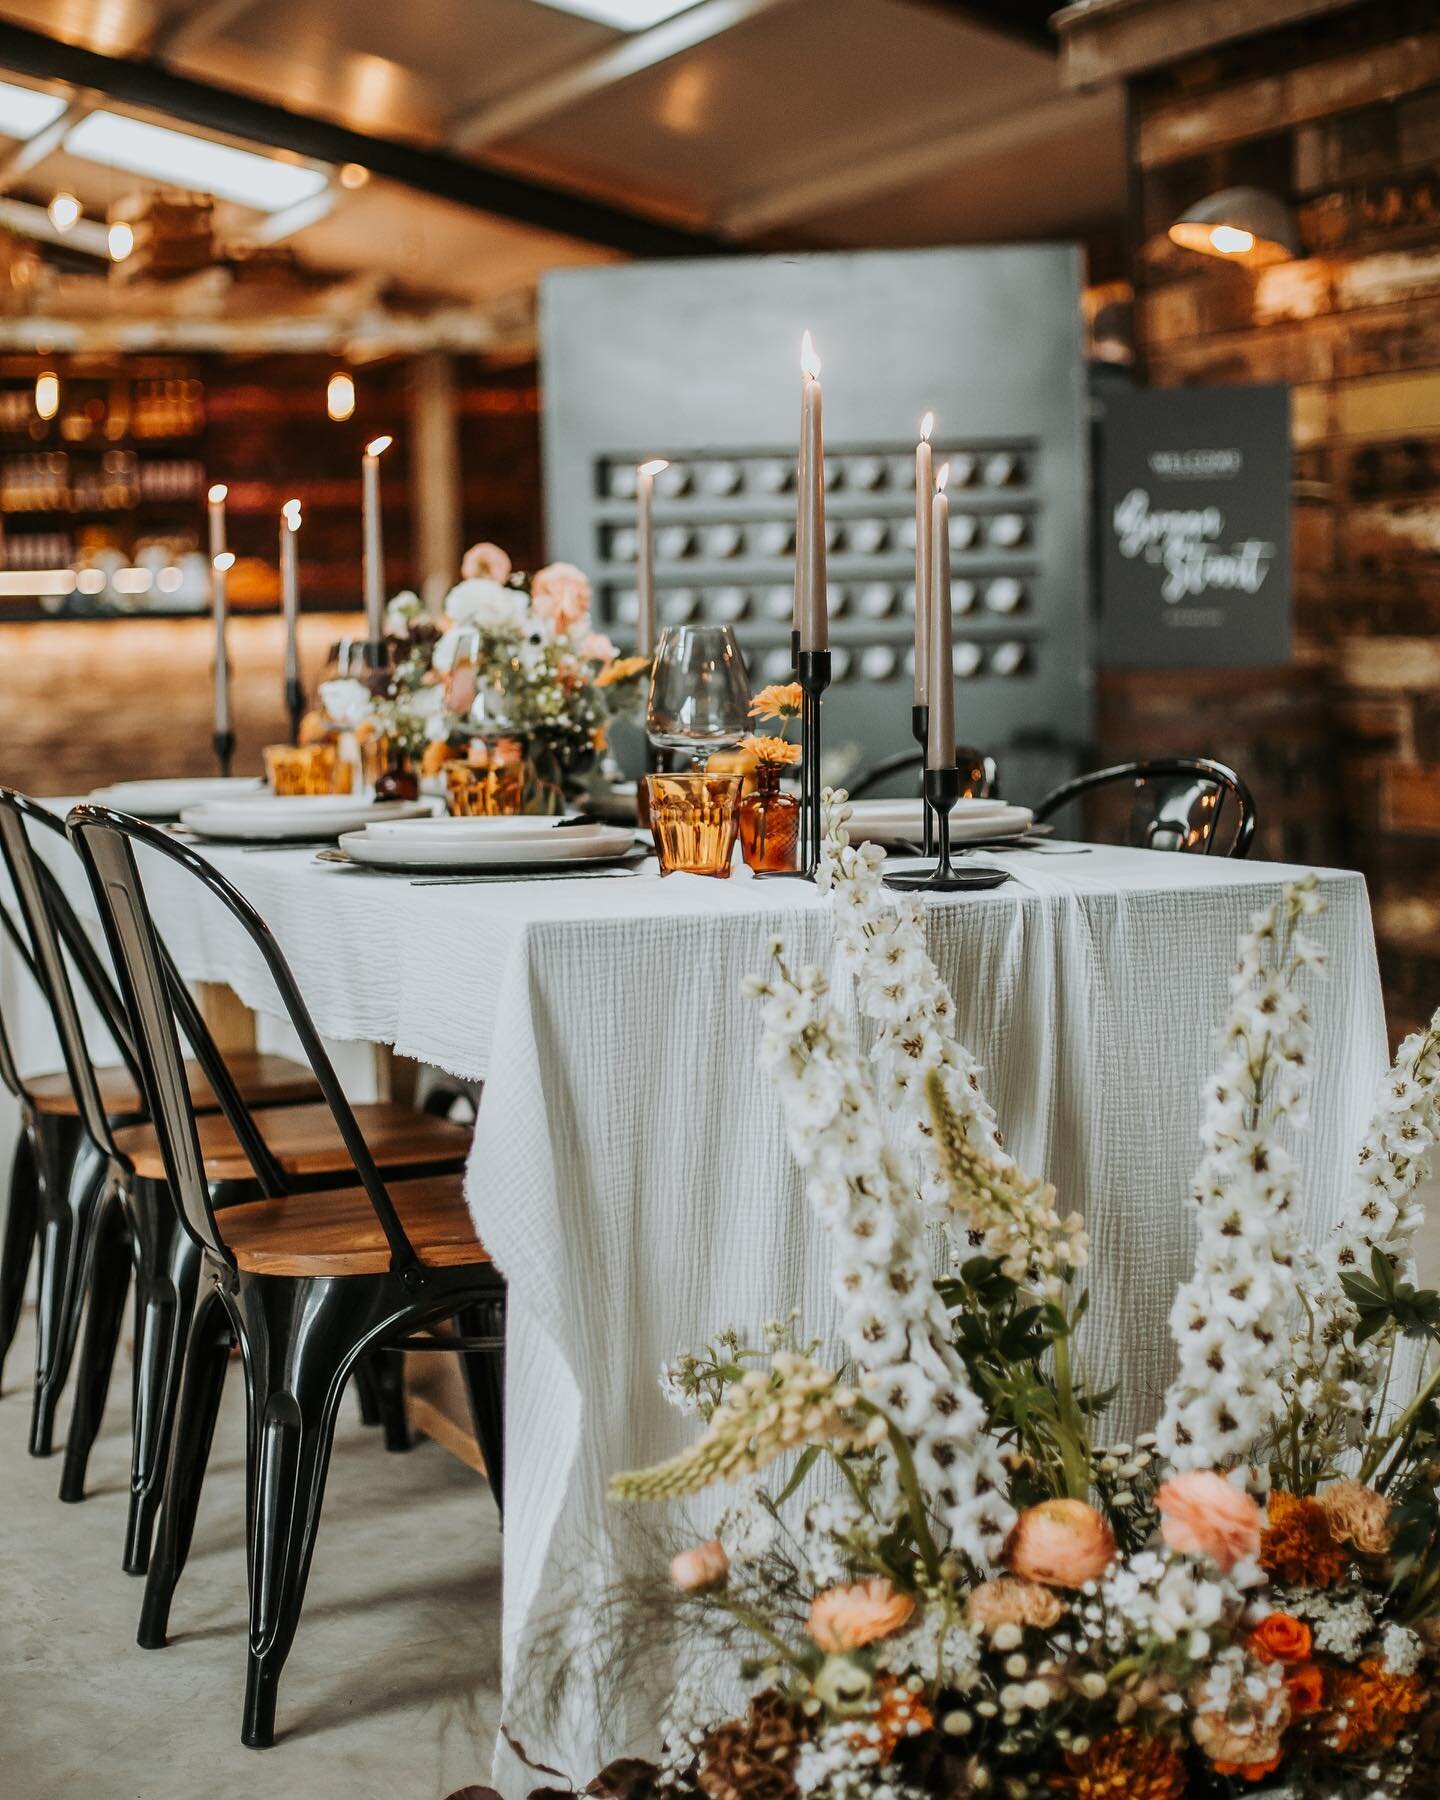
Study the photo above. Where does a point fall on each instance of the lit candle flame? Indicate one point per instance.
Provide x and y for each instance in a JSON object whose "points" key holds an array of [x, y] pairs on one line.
{"points": [[927, 425], [225, 560], [218, 493], [290, 512], [654, 467], [809, 361], [942, 477], [378, 446]]}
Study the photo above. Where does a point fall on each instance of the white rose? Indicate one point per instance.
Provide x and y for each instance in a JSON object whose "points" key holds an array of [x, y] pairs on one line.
{"points": [[405, 607], [486, 604], [346, 702]]}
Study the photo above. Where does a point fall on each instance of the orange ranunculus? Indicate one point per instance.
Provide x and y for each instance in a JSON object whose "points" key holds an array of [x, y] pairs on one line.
{"points": [[1305, 1684], [1280, 1638], [844, 1618]]}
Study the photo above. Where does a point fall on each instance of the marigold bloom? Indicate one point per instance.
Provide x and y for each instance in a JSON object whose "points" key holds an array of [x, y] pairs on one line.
{"points": [[1297, 1545], [1123, 1763], [1371, 1707]]}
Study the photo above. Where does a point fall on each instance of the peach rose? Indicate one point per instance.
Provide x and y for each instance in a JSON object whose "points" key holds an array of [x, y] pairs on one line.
{"points": [[1063, 1543], [844, 1618], [705, 1566], [1358, 1515], [1010, 1602], [560, 594], [485, 562], [1203, 1514]]}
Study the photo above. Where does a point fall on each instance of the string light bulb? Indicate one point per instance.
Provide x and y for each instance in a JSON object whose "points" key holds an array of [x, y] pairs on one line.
{"points": [[64, 211], [47, 394], [340, 396], [120, 240]]}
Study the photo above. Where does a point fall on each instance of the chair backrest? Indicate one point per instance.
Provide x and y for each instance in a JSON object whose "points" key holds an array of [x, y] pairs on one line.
{"points": [[105, 840], [57, 942], [1176, 803], [980, 779], [9, 1064]]}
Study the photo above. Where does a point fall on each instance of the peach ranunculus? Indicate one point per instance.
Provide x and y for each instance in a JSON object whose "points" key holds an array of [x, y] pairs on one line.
{"points": [[560, 595], [705, 1566], [1063, 1543], [844, 1618], [1358, 1515], [1280, 1638], [1203, 1514], [1010, 1602], [486, 562]]}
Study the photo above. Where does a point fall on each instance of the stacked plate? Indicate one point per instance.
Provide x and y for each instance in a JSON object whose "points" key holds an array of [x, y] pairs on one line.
{"points": [[493, 845], [971, 821], [162, 801], [268, 818]]}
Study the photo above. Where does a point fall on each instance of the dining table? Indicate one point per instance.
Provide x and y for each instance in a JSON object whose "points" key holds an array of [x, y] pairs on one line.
{"points": [[630, 1171]]}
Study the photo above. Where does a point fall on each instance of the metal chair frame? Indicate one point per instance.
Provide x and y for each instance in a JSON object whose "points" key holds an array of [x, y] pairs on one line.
{"points": [[300, 1336], [983, 780], [1172, 785]]}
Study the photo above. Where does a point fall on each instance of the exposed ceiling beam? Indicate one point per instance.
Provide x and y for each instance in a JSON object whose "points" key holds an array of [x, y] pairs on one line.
{"points": [[517, 112], [1028, 20], [366, 336], [878, 171], [33, 150], [86, 236], [145, 83]]}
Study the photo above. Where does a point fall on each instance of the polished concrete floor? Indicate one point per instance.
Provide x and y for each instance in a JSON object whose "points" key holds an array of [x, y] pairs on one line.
{"points": [[391, 1690]]}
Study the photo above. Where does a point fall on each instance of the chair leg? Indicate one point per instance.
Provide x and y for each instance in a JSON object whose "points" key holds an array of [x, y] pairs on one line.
{"points": [[167, 1278], [64, 1246], [389, 1366], [367, 1390], [207, 1357], [484, 1372], [105, 1308], [301, 1338], [17, 1244]]}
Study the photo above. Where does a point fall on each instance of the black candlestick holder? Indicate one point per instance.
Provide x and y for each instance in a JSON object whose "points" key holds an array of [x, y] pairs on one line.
{"points": [[920, 731], [942, 789], [224, 742], [813, 671], [294, 706]]}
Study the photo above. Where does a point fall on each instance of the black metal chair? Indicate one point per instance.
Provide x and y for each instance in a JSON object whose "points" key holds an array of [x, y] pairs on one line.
{"points": [[980, 781], [121, 1217], [23, 1199], [307, 1284], [1175, 803]]}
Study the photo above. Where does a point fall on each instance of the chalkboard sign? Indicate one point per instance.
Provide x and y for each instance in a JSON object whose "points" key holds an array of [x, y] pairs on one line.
{"points": [[1194, 528]]}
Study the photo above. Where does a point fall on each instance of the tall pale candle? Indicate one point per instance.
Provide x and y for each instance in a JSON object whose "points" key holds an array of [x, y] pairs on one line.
{"points": [[220, 561], [940, 750], [290, 586], [645, 555], [814, 623], [374, 543], [924, 493]]}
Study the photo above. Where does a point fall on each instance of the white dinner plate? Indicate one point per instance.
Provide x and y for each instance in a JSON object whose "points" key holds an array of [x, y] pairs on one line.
{"points": [[606, 844], [306, 816], [903, 821], [510, 828], [168, 799]]}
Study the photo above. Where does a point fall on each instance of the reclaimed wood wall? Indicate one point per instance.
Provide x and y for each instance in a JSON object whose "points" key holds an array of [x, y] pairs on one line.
{"points": [[1342, 117]]}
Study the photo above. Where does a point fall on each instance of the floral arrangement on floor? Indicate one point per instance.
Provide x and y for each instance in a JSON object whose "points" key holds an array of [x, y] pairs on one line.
{"points": [[935, 1581], [513, 653]]}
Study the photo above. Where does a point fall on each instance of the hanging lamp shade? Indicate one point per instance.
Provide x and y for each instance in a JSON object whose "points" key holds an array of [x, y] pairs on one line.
{"points": [[1240, 224]]}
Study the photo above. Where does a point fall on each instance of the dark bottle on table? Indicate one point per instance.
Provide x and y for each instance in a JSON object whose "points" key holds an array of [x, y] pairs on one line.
{"points": [[398, 780]]}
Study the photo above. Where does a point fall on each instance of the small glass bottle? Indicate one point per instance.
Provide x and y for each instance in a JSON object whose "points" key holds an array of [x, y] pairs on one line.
{"points": [[398, 780], [769, 823]]}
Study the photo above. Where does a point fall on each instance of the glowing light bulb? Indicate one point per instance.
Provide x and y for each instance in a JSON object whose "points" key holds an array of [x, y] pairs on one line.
{"points": [[47, 394], [353, 175], [121, 241], [1231, 240], [340, 396], [64, 211]]}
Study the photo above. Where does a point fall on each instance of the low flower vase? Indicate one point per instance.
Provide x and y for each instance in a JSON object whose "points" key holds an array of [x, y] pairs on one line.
{"points": [[769, 825]]}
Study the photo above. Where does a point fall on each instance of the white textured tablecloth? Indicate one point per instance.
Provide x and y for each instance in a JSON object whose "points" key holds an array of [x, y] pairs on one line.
{"points": [[629, 1171]]}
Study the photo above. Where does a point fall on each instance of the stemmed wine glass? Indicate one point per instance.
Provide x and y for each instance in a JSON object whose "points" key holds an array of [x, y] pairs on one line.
{"points": [[699, 691]]}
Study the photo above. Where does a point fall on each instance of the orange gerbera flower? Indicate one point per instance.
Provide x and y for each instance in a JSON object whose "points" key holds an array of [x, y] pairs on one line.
{"points": [[781, 700], [1123, 1765], [772, 750], [621, 670], [1297, 1544], [1370, 1707]]}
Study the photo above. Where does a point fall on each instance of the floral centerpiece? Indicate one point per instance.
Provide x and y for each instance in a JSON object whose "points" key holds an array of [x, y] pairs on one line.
{"points": [[513, 654], [936, 1580]]}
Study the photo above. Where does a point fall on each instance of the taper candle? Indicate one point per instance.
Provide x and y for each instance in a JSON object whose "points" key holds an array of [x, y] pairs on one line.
{"points": [[814, 617], [645, 555], [290, 586], [220, 563], [924, 493], [374, 542], [940, 752]]}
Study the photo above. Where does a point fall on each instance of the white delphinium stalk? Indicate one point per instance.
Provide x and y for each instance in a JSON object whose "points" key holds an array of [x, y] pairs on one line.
{"points": [[1230, 1320], [881, 943], [895, 1323]]}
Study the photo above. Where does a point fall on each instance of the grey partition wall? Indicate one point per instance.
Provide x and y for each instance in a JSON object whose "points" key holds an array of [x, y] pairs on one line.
{"points": [[700, 362]]}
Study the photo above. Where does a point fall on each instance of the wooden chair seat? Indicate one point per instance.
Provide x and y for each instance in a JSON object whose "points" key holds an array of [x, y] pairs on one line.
{"points": [[306, 1141], [337, 1232], [263, 1080]]}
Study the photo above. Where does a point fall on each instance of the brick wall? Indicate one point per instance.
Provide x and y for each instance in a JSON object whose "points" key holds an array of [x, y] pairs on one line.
{"points": [[1342, 117]]}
